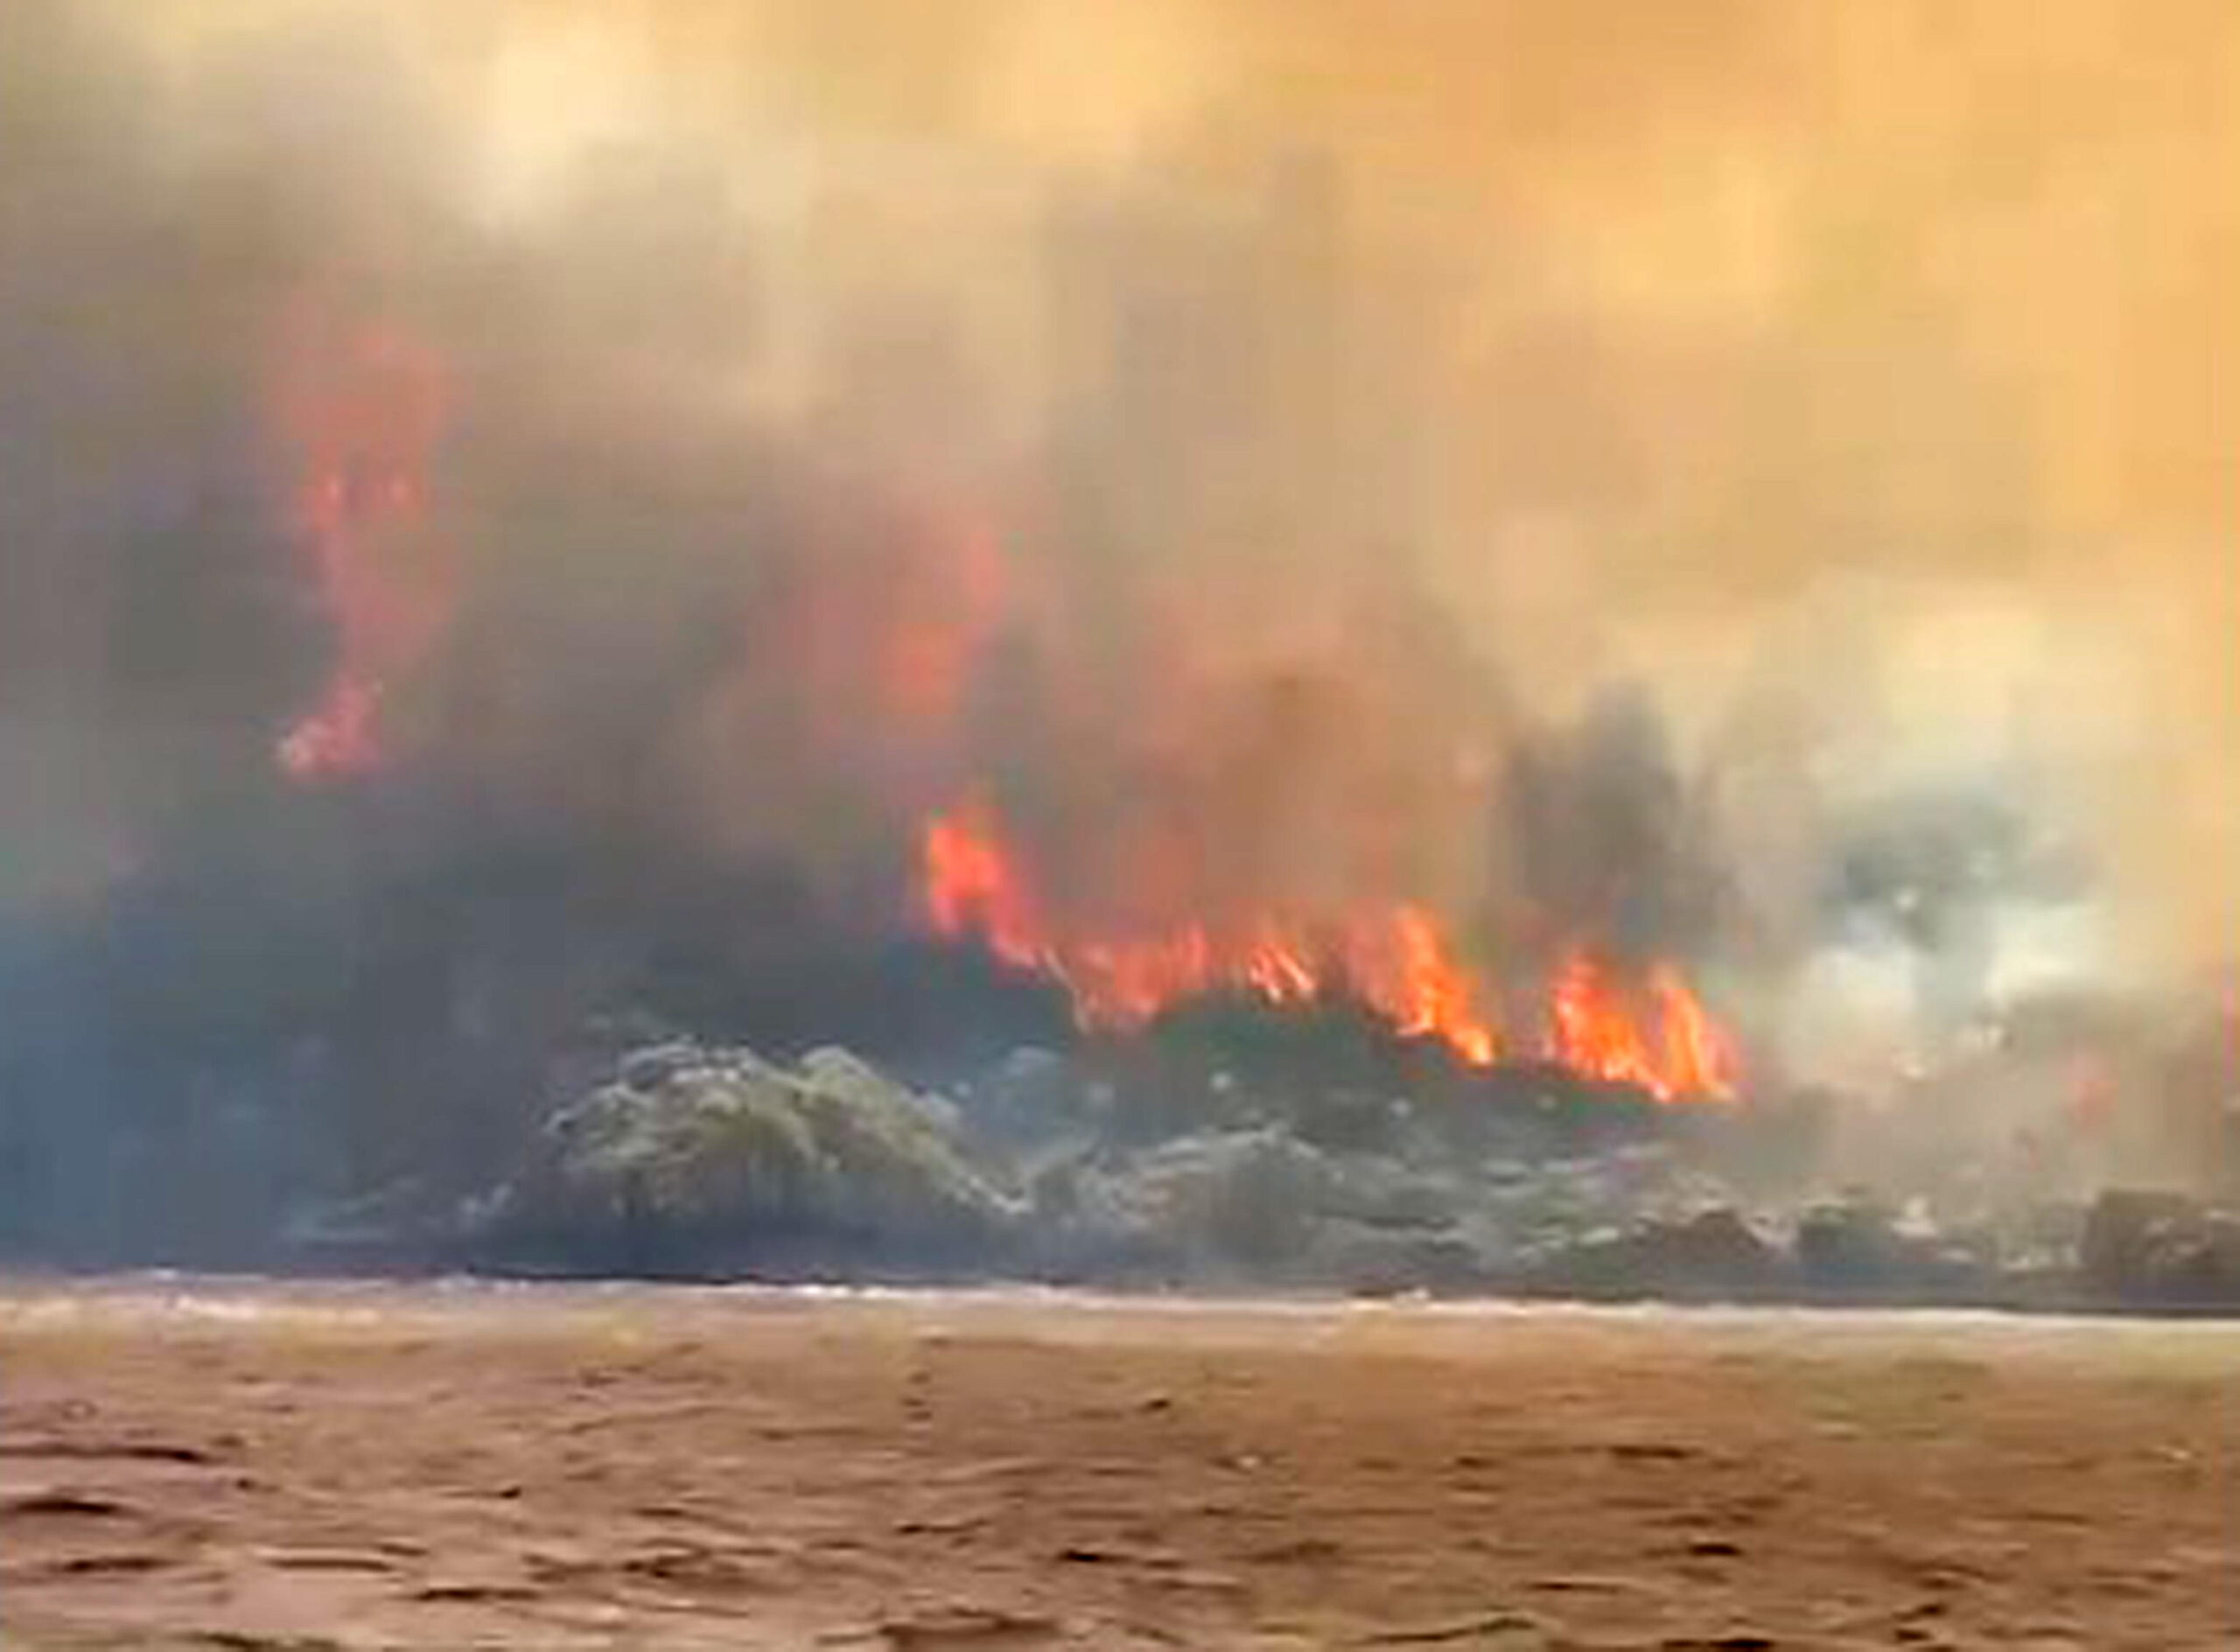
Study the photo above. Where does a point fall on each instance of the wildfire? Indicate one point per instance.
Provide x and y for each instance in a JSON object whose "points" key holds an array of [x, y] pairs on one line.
{"points": [[973, 885], [1397, 960], [1401, 963], [881, 633], [360, 412], [1699, 1057], [1659, 1038], [971, 888]]}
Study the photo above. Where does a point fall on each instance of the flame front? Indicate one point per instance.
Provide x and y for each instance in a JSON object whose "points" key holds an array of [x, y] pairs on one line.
{"points": [[1397, 960], [884, 632]]}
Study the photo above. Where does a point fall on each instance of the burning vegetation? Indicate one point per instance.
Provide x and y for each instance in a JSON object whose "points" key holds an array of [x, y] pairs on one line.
{"points": [[1056, 571], [1396, 960], [891, 675]]}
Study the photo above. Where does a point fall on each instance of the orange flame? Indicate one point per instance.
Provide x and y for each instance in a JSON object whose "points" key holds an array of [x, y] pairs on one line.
{"points": [[1699, 1057], [1399, 961], [1655, 1035], [971, 888], [1675, 1050], [1396, 960], [362, 414]]}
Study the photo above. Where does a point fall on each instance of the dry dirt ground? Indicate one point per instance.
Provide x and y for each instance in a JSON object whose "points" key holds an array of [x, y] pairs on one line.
{"points": [[214, 1466]]}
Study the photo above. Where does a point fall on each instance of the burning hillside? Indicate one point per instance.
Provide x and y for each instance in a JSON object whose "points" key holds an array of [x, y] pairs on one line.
{"points": [[1395, 959], [509, 527], [359, 414], [1176, 857]]}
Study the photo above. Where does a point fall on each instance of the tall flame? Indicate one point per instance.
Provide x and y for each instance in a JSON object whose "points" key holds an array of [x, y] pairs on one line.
{"points": [[1401, 963], [1699, 1057], [361, 411], [1660, 1037]]}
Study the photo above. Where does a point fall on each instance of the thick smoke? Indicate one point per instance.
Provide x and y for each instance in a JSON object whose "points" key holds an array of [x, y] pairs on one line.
{"points": [[1749, 493]]}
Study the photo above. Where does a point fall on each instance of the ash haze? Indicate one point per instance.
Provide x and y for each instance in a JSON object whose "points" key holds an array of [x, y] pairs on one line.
{"points": [[1752, 482]]}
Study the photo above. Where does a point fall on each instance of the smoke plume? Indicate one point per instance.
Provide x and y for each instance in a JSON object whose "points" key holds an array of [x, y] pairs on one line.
{"points": [[499, 500]]}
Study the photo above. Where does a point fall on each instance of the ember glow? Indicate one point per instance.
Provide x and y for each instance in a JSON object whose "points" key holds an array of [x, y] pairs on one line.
{"points": [[360, 410], [1397, 959]]}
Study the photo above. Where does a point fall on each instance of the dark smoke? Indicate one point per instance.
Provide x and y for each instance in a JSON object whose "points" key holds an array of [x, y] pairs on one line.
{"points": [[1330, 463], [1605, 835]]}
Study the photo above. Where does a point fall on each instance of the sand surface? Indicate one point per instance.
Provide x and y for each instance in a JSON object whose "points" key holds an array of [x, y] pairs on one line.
{"points": [[213, 1465]]}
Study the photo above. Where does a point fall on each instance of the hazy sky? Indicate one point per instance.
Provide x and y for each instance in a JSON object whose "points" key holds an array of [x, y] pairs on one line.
{"points": [[1858, 376]]}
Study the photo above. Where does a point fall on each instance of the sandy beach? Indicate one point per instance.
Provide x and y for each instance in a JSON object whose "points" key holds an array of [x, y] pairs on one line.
{"points": [[234, 1464]]}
